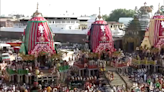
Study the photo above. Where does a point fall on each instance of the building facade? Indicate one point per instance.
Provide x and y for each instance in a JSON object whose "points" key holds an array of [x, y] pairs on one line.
{"points": [[7, 21], [132, 38]]}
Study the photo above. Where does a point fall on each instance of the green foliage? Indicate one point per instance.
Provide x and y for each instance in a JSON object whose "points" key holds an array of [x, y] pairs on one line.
{"points": [[105, 17], [117, 13]]}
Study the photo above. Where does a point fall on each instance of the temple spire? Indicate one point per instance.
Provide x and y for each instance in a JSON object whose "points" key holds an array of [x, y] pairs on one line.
{"points": [[99, 14], [145, 4], [159, 6], [36, 13], [99, 11], [158, 12], [37, 6]]}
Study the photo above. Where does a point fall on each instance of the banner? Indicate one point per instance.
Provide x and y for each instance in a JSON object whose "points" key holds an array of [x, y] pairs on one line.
{"points": [[142, 62]]}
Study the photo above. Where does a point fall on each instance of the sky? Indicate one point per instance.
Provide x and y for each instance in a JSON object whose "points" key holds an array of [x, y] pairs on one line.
{"points": [[78, 7]]}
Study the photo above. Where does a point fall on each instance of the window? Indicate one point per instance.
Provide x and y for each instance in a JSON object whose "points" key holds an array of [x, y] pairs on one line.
{"points": [[72, 21], [63, 21], [57, 21]]}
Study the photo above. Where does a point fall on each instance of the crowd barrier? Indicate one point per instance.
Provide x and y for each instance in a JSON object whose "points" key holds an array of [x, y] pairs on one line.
{"points": [[143, 62]]}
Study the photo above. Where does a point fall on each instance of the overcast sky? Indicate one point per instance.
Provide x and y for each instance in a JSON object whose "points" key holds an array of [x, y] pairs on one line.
{"points": [[78, 7]]}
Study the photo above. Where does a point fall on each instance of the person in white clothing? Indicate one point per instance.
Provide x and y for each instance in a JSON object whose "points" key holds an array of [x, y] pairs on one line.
{"points": [[145, 77], [114, 88], [111, 90]]}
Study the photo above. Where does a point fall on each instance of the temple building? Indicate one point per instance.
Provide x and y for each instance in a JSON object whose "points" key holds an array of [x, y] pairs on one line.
{"points": [[144, 16], [135, 30], [132, 39], [154, 34]]}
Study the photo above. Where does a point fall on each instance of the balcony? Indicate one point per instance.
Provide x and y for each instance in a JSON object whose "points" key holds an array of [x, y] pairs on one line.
{"points": [[121, 65], [82, 66], [79, 65], [92, 66]]}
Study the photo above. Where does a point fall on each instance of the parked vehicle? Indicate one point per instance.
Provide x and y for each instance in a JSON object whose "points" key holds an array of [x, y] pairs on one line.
{"points": [[6, 57]]}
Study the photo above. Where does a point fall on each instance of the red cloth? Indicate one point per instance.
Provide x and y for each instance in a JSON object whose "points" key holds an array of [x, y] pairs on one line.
{"points": [[160, 81], [100, 40], [67, 90], [36, 36]]}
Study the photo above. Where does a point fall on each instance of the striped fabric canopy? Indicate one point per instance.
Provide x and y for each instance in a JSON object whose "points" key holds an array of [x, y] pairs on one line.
{"points": [[158, 28], [100, 37], [38, 37]]}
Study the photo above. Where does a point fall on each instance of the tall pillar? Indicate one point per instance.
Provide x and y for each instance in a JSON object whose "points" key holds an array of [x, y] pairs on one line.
{"points": [[89, 73], [36, 59], [42, 80], [18, 78], [47, 79], [93, 72], [35, 62], [12, 78], [49, 59], [27, 79], [21, 78], [79, 72], [154, 68], [30, 79], [148, 67]]}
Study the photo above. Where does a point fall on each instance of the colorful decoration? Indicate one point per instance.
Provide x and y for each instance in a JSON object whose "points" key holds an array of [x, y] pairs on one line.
{"points": [[116, 54], [38, 36], [27, 57], [155, 32], [142, 62], [154, 50], [100, 37]]}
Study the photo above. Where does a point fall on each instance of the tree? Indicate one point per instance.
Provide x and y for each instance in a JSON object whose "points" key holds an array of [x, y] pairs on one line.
{"points": [[117, 13], [105, 17]]}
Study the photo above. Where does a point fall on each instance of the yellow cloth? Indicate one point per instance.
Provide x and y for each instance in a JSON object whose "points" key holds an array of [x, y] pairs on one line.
{"points": [[49, 89], [151, 31], [25, 90], [146, 43]]}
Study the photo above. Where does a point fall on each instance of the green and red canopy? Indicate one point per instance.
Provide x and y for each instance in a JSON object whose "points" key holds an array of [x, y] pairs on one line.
{"points": [[38, 37]]}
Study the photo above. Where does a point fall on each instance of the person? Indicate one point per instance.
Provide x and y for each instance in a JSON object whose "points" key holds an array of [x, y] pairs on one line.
{"points": [[45, 90], [35, 87], [111, 90], [145, 77], [123, 87], [25, 90], [114, 88], [49, 89]]}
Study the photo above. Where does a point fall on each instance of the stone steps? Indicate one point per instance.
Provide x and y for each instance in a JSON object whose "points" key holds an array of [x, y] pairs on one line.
{"points": [[117, 80]]}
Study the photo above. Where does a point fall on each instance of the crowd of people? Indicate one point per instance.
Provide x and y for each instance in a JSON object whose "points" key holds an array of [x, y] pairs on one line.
{"points": [[146, 77], [142, 80], [87, 87]]}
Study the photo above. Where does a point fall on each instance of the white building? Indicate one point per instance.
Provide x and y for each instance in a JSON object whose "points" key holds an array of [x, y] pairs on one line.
{"points": [[65, 25], [60, 22]]}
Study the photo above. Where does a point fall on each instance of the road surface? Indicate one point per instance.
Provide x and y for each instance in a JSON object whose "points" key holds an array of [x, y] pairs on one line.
{"points": [[70, 55]]}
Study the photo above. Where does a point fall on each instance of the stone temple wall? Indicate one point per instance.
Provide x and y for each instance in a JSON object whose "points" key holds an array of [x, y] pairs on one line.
{"points": [[72, 38], [63, 38]]}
